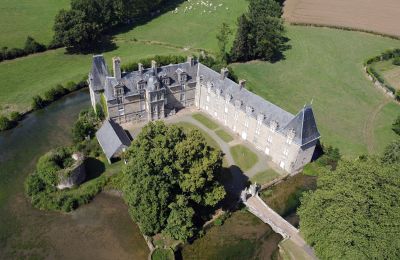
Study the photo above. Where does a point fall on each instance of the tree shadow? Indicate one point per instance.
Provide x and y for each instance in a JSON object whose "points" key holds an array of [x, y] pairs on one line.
{"points": [[94, 168], [280, 54], [234, 182], [105, 44]]}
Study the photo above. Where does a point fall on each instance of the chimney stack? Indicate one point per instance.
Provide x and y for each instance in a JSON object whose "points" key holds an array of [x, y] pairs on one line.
{"points": [[242, 83], [154, 66], [117, 67], [224, 73], [140, 67], [190, 60]]}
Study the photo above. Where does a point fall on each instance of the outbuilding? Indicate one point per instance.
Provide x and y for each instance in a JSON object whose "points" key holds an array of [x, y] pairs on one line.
{"points": [[112, 139]]}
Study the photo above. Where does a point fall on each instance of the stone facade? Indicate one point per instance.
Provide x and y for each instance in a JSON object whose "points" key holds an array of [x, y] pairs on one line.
{"points": [[157, 92], [74, 175]]}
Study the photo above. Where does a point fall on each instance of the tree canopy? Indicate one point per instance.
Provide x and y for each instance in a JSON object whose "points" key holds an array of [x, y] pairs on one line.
{"points": [[260, 32], [354, 213], [170, 176]]}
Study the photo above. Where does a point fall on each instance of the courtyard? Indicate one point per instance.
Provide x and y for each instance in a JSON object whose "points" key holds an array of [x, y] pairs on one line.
{"points": [[244, 161]]}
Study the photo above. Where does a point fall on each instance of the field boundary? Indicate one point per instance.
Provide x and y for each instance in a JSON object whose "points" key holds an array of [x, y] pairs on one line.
{"points": [[344, 28]]}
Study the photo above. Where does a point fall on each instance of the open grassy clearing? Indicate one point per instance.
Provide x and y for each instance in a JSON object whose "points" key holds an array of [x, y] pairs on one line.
{"points": [[326, 65], [390, 72], [224, 135], [380, 16], [264, 176], [25, 77], [21, 18], [195, 28], [205, 121], [244, 158]]}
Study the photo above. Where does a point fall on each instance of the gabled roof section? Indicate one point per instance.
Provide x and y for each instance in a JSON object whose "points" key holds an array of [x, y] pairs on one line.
{"points": [[304, 126], [112, 138], [99, 72]]}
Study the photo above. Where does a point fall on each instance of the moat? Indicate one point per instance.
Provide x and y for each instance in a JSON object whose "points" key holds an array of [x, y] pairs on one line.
{"points": [[103, 228]]}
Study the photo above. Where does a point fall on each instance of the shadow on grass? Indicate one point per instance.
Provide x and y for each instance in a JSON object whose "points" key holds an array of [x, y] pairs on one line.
{"points": [[94, 168]]}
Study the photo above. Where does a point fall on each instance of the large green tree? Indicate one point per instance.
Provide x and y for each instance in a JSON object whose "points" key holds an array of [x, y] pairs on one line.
{"points": [[170, 175], [355, 212], [391, 155]]}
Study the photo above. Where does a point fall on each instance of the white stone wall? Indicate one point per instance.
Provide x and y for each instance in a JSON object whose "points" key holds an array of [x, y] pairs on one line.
{"points": [[288, 155]]}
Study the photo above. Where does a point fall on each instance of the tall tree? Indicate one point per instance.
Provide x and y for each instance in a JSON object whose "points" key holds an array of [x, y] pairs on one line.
{"points": [[354, 213], [242, 43], [170, 175], [396, 126], [391, 154]]}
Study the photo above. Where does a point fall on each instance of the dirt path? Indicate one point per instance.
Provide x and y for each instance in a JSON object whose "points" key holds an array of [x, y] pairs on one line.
{"points": [[368, 130]]}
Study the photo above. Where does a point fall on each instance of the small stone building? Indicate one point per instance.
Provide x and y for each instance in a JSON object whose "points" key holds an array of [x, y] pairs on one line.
{"points": [[112, 139], [157, 92], [74, 175]]}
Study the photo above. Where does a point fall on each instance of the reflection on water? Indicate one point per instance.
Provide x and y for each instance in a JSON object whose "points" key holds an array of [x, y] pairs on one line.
{"points": [[101, 230]]}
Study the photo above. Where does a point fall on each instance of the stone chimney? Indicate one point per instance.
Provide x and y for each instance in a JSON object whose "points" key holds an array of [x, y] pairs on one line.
{"points": [[140, 67], [190, 60], [242, 83], [154, 66], [117, 67], [224, 73]]}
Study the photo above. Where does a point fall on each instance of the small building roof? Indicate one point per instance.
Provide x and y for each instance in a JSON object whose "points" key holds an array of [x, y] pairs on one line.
{"points": [[112, 138], [99, 72]]}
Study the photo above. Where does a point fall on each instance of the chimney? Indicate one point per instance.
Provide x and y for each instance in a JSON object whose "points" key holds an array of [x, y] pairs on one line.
{"points": [[190, 60], [117, 67], [140, 67], [224, 73], [242, 83], [154, 66]]}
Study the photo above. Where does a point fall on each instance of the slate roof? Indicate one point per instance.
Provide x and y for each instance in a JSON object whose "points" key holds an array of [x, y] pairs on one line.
{"points": [[112, 138], [99, 72], [304, 126], [259, 105]]}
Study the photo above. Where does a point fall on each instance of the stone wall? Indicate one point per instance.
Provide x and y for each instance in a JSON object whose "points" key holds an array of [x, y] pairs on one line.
{"points": [[74, 175]]}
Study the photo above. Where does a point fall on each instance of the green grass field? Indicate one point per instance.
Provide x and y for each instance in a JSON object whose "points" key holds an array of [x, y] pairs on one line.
{"points": [[326, 65], [264, 176], [21, 18], [243, 157], [224, 135], [205, 121], [389, 71]]}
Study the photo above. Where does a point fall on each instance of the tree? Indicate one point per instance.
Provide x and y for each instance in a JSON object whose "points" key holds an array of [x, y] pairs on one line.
{"points": [[391, 154], [32, 46], [170, 176], [260, 33], [5, 123], [396, 126], [241, 45], [354, 212], [222, 37], [85, 126], [38, 102]]}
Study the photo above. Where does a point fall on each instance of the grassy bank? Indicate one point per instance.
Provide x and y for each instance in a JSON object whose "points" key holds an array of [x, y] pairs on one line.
{"points": [[21, 18], [325, 65]]}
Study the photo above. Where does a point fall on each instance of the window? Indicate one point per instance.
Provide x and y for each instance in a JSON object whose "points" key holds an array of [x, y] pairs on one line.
{"points": [[119, 100], [208, 98], [285, 151], [282, 164], [209, 90], [269, 139], [267, 151], [226, 109], [246, 123], [165, 81], [182, 96]]}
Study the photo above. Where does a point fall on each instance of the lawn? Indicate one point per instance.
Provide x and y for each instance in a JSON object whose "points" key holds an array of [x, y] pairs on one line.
{"points": [[224, 135], [325, 65], [21, 18], [264, 176], [389, 71], [243, 157], [205, 121]]}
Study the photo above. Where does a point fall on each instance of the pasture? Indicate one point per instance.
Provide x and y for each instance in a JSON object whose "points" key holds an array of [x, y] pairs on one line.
{"points": [[390, 72], [381, 16], [21, 18], [325, 65]]}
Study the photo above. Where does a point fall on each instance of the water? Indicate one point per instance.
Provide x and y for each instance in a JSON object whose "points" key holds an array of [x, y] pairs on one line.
{"points": [[100, 230]]}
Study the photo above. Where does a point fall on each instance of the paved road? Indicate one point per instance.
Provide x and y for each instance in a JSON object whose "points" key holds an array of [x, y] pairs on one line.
{"points": [[258, 207]]}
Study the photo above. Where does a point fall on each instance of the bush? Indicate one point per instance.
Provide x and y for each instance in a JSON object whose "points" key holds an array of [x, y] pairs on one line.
{"points": [[396, 61], [71, 86], [55, 93], [38, 102], [32, 46], [15, 116], [5, 123]]}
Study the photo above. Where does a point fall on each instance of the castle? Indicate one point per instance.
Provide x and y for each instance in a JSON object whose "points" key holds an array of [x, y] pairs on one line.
{"points": [[155, 93]]}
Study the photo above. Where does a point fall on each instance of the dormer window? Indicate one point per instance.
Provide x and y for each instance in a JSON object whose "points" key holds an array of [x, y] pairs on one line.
{"points": [[238, 104], [118, 91], [249, 110], [273, 125], [290, 136], [141, 84], [165, 81], [183, 77]]}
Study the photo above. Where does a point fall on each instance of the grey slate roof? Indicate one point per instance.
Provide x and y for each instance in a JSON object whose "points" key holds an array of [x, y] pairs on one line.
{"points": [[99, 72], [259, 105], [304, 126], [112, 138]]}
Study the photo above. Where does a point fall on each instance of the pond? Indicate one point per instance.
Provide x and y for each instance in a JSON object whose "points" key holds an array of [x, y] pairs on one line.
{"points": [[100, 230]]}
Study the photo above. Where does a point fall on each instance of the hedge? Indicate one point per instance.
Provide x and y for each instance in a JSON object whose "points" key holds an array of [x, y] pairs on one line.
{"points": [[31, 46]]}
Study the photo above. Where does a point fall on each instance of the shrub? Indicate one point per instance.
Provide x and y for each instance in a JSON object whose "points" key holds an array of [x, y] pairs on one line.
{"points": [[396, 126], [32, 46], [55, 93], [5, 123], [38, 102], [15, 116], [71, 86], [396, 61]]}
